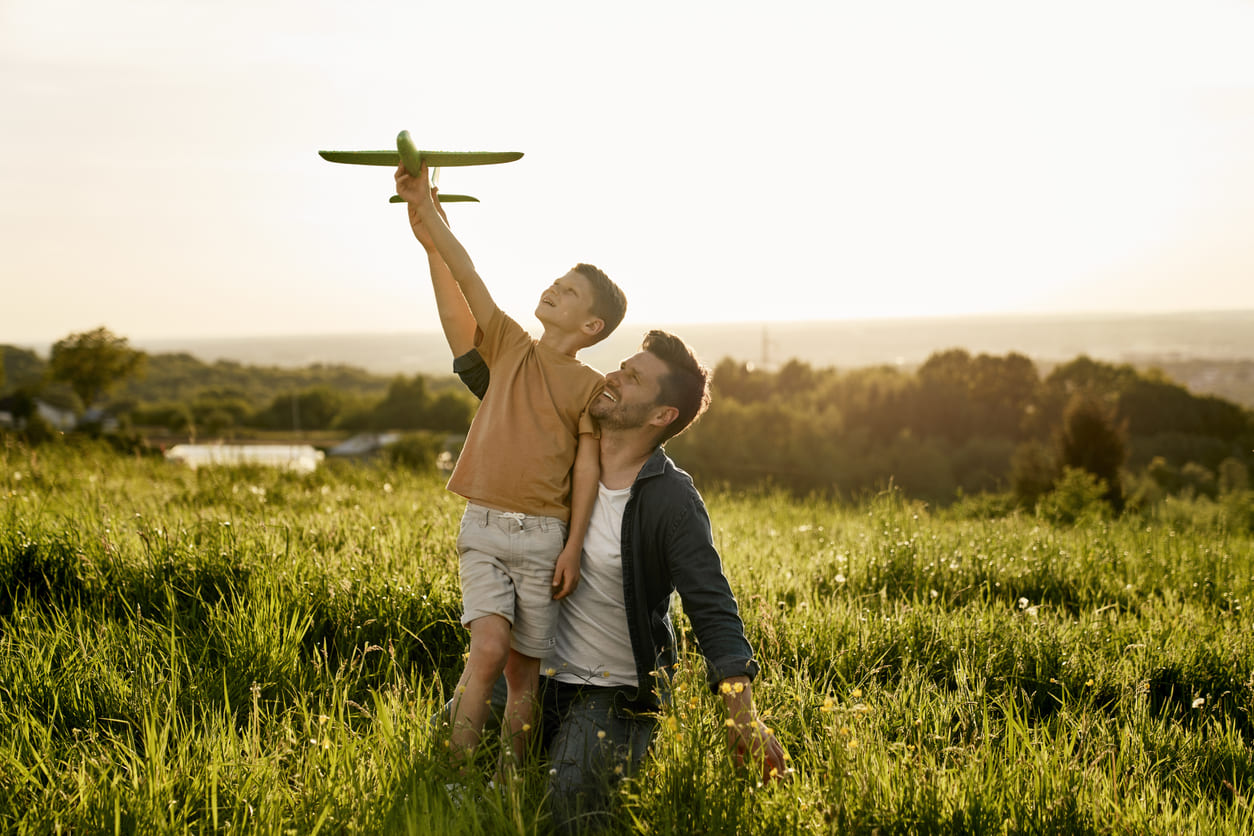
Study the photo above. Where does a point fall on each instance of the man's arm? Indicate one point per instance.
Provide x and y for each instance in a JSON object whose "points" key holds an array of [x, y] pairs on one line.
{"points": [[584, 478], [747, 735], [417, 193], [696, 571]]}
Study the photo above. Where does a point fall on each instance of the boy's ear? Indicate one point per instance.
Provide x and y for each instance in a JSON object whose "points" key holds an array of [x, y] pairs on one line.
{"points": [[594, 326]]}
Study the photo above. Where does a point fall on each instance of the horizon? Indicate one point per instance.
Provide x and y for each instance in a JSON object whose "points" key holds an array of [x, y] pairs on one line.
{"points": [[1209, 352], [879, 161], [628, 325]]}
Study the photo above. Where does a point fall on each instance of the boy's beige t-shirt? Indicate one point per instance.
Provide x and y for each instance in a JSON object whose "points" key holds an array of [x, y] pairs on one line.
{"points": [[521, 445]]}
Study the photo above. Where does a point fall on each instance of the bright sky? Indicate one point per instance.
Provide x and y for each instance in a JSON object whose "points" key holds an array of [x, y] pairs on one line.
{"points": [[723, 161]]}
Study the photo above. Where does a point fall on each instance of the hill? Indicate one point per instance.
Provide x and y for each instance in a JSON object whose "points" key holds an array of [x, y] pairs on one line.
{"points": [[1210, 353]]}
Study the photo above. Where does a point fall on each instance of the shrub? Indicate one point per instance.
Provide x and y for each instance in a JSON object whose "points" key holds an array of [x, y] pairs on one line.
{"points": [[1234, 476], [1238, 510], [1079, 495], [1033, 472], [415, 451], [1199, 480]]}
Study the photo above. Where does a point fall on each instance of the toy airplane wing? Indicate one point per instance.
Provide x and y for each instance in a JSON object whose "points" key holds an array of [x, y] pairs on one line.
{"points": [[443, 198], [435, 159], [414, 160]]}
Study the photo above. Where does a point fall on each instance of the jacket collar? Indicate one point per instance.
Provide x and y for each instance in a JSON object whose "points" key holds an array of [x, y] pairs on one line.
{"points": [[655, 465]]}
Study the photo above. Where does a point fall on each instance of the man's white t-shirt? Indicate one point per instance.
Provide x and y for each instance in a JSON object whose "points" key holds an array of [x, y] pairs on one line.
{"points": [[593, 645]]}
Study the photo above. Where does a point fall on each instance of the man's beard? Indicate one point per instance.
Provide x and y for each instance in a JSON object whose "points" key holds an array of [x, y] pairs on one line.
{"points": [[622, 416]]}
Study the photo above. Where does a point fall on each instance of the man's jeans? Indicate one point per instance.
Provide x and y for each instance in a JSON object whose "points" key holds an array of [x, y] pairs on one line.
{"points": [[595, 737], [585, 766]]}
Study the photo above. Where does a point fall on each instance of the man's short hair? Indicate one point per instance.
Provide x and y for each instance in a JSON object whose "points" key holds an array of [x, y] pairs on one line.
{"points": [[609, 303], [686, 384]]}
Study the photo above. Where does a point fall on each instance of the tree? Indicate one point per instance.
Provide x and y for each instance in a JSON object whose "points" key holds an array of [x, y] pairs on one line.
{"points": [[93, 362], [1033, 473], [22, 368], [1092, 440], [943, 398]]}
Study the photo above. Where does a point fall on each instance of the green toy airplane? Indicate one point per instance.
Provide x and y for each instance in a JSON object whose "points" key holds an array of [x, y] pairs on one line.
{"points": [[407, 151]]}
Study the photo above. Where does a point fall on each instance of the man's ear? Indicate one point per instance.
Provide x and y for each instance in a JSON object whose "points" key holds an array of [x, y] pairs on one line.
{"points": [[594, 326], [663, 416]]}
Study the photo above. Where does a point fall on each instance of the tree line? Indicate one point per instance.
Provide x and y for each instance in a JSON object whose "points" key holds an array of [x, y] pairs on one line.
{"points": [[182, 394], [960, 425]]}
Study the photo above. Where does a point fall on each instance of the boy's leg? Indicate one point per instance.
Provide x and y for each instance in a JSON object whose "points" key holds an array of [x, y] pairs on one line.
{"points": [[539, 541], [488, 606], [522, 676], [471, 704]]}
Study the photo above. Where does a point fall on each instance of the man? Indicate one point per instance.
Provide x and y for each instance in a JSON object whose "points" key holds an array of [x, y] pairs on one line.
{"points": [[649, 536]]}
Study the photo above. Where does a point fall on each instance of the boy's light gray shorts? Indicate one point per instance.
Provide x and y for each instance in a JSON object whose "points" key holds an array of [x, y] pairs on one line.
{"points": [[507, 565]]}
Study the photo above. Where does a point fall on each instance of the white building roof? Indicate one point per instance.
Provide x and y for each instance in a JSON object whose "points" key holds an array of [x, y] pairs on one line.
{"points": [[299, 457]]}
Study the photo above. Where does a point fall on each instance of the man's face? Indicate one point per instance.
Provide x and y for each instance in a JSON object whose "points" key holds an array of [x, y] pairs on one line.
{"points": [[631, 393], [567, 302]]}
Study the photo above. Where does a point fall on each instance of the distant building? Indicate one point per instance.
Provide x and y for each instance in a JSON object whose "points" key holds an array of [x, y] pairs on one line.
{"points": [[63, 420], [299, 457], [101, 418], [363, 445]]}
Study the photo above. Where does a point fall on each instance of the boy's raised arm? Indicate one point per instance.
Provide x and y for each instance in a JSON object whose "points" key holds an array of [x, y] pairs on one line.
{"points": [[456, 319], [417, 193]]}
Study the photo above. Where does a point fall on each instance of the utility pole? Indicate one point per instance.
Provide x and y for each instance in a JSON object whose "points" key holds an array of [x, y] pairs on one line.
{"points": [[767, 342]]}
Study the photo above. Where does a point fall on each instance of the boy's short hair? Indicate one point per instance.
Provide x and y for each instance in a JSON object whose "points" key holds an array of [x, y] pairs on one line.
{"points": [[686, 384], [609, 303]]}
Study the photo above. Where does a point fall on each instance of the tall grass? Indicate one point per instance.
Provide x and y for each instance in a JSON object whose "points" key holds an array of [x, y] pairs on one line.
{"points": [[260, 652]]}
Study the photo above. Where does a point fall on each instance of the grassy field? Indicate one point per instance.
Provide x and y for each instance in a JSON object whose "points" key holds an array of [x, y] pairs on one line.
{"points": [[260, 652]]}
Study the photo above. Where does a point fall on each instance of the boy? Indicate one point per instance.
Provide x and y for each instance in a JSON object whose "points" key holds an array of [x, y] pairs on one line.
{"points": [[529, 471]]}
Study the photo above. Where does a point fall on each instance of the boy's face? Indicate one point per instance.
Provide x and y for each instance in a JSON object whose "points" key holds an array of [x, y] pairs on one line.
{"points": [[567, 303]]}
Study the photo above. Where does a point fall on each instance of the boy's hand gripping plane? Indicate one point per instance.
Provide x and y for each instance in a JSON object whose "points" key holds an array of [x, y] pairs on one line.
{"points": [[407, 152]]}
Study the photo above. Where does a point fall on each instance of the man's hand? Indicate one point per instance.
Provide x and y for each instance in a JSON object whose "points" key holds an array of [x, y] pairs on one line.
{"points": [[752, 743], [565, 574], [750, 740]]}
